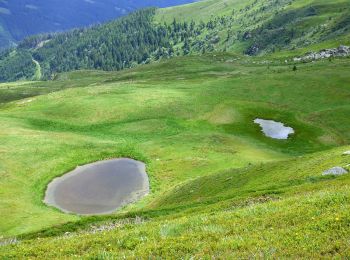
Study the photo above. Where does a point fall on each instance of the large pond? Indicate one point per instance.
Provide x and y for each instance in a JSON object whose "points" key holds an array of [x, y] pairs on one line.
{"points": [[99, 188], [274, 129]]}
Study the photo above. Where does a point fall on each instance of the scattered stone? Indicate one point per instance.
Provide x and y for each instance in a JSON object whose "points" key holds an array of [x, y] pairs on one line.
{"points": [[253, 50], [247, 36], [9, 241], [25, 101], [335, 171], [341, 51], [116, 224], [215, 39], [346, 153]]}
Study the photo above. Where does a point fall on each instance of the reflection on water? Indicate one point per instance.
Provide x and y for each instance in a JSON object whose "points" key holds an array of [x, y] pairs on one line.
{"points": [[99, 188], [274, 129]]}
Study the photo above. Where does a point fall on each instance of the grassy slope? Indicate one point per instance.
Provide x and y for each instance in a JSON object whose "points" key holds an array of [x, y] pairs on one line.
{"points": [[275, 210], [200, 11], [250, 14], [185, 122], [219, 187]]}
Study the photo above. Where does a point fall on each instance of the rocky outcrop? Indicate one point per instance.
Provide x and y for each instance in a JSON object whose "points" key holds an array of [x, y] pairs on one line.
{"points": [[335, 171], [341, 51]]}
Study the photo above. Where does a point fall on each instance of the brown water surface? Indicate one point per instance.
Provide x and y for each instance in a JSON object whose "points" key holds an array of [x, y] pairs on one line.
{"points": [[99, 188]]}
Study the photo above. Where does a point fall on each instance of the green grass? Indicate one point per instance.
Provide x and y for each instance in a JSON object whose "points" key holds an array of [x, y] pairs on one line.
{"points": [[275, 210], [214, 176], [200, 11], [311, 32], [219, 187]]}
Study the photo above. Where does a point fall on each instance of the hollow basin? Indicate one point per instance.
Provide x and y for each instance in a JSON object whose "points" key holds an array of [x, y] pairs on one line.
{"points": [[273, 129], [99, 188]]}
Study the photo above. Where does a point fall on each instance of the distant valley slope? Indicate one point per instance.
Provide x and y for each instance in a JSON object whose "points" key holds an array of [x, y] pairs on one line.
{"points": [[252, 27], [21, 18]]}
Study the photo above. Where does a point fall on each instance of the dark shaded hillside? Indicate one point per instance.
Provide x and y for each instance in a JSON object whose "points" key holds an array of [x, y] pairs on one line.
{"points": [[22, 18], [120, 44], [6, 39], [290, 27], [116, 45]]}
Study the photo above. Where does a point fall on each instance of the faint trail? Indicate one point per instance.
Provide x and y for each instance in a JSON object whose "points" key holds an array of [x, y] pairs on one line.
{"points": [[37, 74]]}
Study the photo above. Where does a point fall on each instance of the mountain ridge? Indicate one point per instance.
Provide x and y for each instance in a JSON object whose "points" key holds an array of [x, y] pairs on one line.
{"points": [[23, 18], [296, 24]]}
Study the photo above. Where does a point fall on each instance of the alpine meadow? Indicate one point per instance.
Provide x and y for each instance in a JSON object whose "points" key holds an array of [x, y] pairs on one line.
{"points": [[218, 129]]}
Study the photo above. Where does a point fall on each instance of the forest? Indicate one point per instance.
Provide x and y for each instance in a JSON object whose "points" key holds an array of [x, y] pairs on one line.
{"points": [[138, 39]]}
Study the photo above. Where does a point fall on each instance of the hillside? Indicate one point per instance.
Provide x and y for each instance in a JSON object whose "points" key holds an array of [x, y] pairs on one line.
{"points": [[269, 27], [272, 223], [22, 18], [6, 39], [214, 176], [179, 90]]}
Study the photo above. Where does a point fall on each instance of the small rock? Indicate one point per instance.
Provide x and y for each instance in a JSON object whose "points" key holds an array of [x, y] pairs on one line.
{"points": [[343, 49], [335, 171], [10, 241], [346, 153]]}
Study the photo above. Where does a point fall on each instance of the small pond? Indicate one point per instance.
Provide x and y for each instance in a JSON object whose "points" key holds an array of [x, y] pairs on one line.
{"points": [[99, 188], [274, 129]]}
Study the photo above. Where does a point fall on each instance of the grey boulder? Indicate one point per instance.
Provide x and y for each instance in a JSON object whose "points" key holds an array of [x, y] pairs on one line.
{"points": [[335, 171]]}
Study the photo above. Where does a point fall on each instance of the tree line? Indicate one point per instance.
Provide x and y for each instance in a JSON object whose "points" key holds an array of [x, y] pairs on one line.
{"points": [[123, 43]]}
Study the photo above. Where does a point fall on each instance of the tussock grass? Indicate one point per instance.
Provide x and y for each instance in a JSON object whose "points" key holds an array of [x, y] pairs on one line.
{"points": [[219, 187]]}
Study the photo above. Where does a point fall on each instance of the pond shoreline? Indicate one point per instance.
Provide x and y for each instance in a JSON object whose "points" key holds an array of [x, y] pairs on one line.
{"points": [[274, 129], [140, 183]]}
